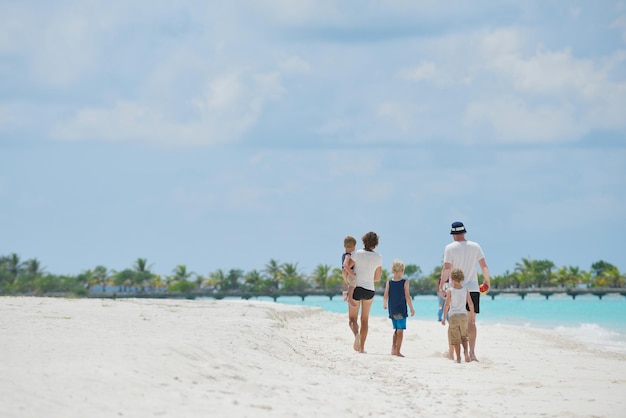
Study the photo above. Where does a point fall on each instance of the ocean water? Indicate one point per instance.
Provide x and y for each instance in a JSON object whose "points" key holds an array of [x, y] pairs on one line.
{"points": [[586, 319]]}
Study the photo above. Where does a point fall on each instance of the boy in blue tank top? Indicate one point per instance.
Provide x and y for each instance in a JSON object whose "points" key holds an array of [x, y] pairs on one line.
{"points": [[396, 297]]}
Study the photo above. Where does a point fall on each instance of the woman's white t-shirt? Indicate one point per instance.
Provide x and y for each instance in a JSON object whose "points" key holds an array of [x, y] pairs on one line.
{"points": [[365, 264]]}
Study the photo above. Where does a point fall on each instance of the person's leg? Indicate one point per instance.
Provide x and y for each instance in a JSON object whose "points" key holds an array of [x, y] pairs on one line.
{"points": [[442, 303], [353, 314], [465, 353], [472, 332], [399, 342], [457, 350], [464, 339], [345, 286], [450, 346], [366, 306], [393, 342], [471, 328], [351, 300]]}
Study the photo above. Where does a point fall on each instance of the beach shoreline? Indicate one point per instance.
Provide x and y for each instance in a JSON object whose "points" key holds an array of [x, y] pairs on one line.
{"points": [[160, 357]]}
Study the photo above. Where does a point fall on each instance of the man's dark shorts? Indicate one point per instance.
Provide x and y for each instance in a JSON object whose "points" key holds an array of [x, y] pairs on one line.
{"points": [[362, 294], [475, 300]]}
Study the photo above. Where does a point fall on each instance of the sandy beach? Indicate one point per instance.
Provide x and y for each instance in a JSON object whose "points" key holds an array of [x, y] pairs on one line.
{"points": [[185, 358]]}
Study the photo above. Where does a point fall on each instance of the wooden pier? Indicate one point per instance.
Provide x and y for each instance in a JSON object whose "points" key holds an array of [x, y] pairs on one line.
{"points": [[549, 291], [546, 292]]}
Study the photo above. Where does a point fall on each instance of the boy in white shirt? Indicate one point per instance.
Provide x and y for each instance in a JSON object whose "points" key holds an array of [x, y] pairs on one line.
{"points": [[456, 299]]}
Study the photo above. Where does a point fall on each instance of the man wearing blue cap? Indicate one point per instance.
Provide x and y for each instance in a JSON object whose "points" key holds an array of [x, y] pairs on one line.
{"points": [[464, 255]]}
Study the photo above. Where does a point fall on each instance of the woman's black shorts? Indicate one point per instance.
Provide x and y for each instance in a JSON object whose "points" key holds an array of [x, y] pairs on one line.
{"points": [[362, 294]]}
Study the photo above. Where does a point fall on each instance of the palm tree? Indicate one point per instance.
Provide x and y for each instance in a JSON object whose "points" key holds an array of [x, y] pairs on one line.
{"points": [[597, 268], [217, 279], [534, 272], [233, 279], [101, 276], [321, 274], [413, 274], [335, 280], [613, 278], [180, 279], [124, 279], [586, 278], [199, 281], [143, 274], [567, 276], [12, 264], [413, 271], [180, 273], [254, 281], [273, 269], [292, 278], [33, 267], [156, 282]]}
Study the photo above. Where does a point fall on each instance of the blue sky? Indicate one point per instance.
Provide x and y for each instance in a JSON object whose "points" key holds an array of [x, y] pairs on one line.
{"points": [[221, 135]]}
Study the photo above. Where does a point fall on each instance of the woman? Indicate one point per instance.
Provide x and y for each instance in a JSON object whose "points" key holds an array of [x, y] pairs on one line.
{"points": [[368, 269]]}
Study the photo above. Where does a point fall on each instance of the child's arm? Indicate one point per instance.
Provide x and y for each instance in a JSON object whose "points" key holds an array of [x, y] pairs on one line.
{"points": [[407, 296], [471, 306], [386, 295], [447, 307]]}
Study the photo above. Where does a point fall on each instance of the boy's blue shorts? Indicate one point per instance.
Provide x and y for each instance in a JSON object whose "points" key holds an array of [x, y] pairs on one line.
{"points": [[399, 323]]}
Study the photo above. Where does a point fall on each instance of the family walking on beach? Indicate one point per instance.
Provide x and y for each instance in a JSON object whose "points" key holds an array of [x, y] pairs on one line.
{"points": [[460, 300]]}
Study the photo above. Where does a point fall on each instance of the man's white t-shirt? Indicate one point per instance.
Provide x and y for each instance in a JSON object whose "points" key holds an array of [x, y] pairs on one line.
{"points": [[465, 255], [365, 264]]}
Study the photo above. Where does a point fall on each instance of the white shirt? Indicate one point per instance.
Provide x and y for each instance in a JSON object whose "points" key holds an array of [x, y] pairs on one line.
{"points": [[365, 264], [458, 300], [465, 255]]}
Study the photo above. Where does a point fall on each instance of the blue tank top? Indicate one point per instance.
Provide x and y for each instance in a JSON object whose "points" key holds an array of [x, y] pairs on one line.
{"points": [[397, 299]]}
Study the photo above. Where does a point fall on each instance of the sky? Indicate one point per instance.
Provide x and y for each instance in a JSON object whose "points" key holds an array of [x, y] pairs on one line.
{"points": [[223, 135]]}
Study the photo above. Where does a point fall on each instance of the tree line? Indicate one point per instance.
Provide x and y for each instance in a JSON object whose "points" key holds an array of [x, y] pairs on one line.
{"points": [[29, 277]]}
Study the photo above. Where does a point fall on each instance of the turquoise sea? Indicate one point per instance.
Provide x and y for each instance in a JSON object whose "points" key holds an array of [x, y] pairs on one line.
{"points": [[586, 319]]}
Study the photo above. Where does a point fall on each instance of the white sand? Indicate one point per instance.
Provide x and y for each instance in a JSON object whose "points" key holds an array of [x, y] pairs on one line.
{"points": [[182, 358]]}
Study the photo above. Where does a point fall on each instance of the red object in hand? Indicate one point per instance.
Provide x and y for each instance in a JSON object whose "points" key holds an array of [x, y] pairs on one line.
{"points": [[483, 288]]}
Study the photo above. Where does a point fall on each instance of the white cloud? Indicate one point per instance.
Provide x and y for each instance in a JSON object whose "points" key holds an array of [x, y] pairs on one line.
{"points": [[424, 71], [10, 117], [401, 115], [295, 65], [228, 107], [547, 72], [514, 120], [298, 13], [620, 23], [544, 95]]}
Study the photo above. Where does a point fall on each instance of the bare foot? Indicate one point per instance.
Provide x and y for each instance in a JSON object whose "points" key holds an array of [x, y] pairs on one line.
{"points": [[357, 343], [473, 357], [400, 355], [467, 357]]}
